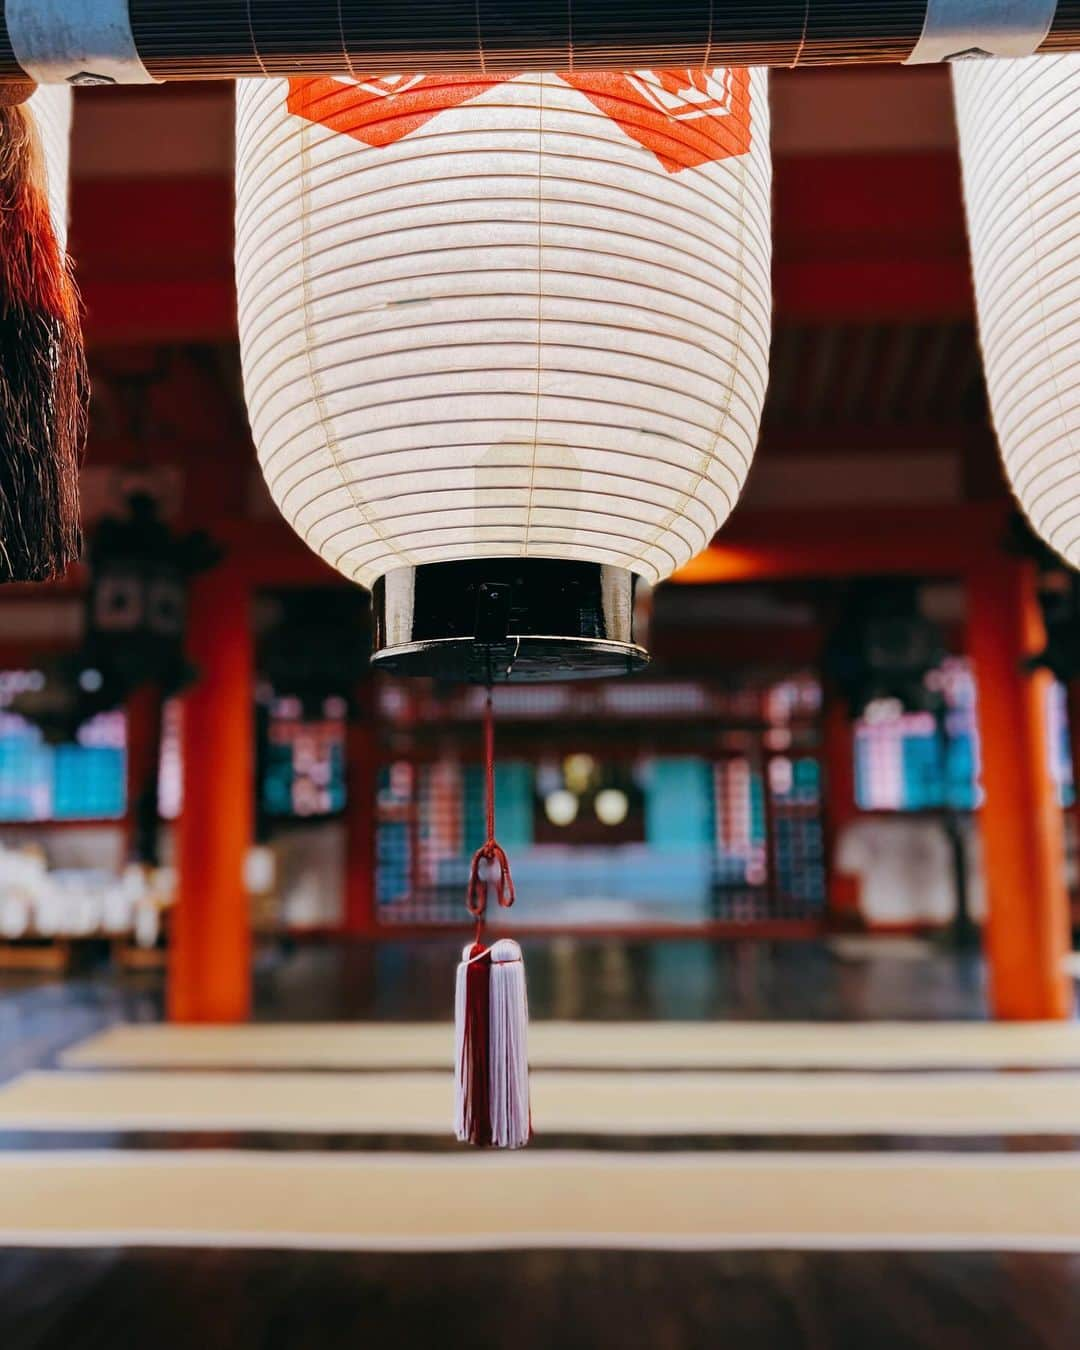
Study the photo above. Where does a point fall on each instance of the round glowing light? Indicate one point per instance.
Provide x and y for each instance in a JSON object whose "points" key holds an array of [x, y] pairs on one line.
{"points": [[578, 771], [260, 870], [561, 807], [880, 710], [14, 916], [612, 806], [147, 924], [781, 775], [91, 680]]}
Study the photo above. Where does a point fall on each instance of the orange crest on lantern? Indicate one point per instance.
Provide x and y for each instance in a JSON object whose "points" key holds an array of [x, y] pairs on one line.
{"points": [[381, 109], [686, 118]]}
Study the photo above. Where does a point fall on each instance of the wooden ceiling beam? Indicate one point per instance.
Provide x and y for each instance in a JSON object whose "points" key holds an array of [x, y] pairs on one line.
{"points": [[893, 541]]}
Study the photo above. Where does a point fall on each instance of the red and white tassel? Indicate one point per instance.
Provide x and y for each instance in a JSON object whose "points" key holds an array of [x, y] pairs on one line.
{"points": [[491, 1009], [508, 1047], [472, 1112], [492, 1053]]}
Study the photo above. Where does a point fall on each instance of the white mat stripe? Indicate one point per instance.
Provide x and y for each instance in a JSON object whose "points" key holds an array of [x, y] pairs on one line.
{"points": [[666, 1045], [585, 1102], [936, 1202]]}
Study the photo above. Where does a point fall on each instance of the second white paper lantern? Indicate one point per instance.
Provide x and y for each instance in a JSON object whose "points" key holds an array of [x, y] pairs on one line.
{"points": [[1019, 124]]}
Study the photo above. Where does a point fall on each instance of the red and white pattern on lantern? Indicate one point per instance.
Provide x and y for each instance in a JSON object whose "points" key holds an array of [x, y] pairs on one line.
{"points": [[380, 110], [685, 94], [686, 118]]}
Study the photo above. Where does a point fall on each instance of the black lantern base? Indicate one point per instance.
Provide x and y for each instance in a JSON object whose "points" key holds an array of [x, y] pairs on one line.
{"points": [[493, 620]]}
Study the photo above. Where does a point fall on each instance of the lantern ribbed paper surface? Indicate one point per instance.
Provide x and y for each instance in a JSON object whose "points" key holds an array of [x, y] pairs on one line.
{"points": [[1019, 125], [507, 316]]}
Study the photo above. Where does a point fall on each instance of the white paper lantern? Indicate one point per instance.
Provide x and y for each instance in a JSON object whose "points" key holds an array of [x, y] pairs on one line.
{"points": [[51, 105], [1019, 125], [516, 318]]}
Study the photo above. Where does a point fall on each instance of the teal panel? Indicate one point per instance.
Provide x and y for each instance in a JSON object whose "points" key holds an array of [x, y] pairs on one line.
{"points": [[88, 782], [757, 809], [679, 812], [513, 805], [922, 769]]}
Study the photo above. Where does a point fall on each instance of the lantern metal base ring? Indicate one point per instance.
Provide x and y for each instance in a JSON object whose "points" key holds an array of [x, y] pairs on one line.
{"points": [[494, 620]]}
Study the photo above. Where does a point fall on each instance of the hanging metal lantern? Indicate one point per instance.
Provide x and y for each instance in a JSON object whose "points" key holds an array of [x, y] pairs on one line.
{"points": [[137, 603], [62, 694], [883, 647], [315, 646], [505, 343], [1019, 124]]}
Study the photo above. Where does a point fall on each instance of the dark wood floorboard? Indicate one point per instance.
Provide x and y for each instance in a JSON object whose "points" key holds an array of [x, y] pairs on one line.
{"points": [[575, 979], [213, 1300], [288, 1141], [39, 1018], [591, 979]]}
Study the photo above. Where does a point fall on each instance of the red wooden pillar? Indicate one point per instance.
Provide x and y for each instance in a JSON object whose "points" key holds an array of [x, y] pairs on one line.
{"points": [[1072, 690], [1026, 936], [210, 935], [361, 772]]}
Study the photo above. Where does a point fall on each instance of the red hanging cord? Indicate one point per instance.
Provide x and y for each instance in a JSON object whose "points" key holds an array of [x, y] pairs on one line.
{"points": [[491, 1017], [490, 868]]}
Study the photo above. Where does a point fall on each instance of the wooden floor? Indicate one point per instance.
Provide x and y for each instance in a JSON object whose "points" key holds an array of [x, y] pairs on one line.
{"points": [[575, 980], [595, 979], [201, 1297], [229, 1300]]}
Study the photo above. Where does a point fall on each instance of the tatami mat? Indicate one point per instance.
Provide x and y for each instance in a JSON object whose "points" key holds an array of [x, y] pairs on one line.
{"points": [[571, 1102], [649, 1045], [549, 1200]]}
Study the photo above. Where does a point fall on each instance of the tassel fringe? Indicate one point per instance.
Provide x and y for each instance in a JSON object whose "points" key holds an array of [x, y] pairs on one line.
{"points": [[43, 383], [491, 1009], [508, 1049], [492, 1055], [471, 1006]]}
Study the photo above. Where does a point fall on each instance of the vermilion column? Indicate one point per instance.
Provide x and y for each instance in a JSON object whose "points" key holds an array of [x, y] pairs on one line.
{"points": [[1073, 717], [210, 937], [1027, 931], [361, 749]]}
